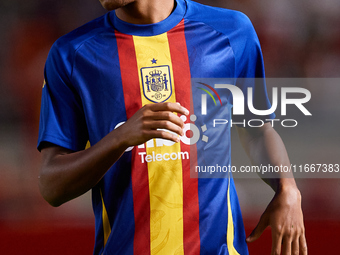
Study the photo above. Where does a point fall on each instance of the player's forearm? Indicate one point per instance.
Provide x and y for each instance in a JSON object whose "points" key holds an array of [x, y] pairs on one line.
{"points": [[66, 175], [284, 213], [264, 146]]}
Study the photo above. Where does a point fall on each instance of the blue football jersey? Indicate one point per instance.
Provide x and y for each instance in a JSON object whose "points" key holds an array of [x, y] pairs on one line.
{"points": [[154, 200]]}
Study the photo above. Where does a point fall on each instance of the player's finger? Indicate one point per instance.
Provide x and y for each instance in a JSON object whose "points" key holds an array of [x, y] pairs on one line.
{"points": [[163, 134], [295, 246], [286, 246], [276, 243], [168, 125], [172, 107], [303, 245], [258, 230], [165, 115]]}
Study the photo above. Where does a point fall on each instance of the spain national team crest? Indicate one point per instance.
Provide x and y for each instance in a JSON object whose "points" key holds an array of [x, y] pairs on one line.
{"points": [[156, 82]]}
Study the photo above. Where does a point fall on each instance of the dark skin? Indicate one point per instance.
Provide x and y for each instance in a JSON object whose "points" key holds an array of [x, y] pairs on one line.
{"points": [[283, 214], [66, 174]]}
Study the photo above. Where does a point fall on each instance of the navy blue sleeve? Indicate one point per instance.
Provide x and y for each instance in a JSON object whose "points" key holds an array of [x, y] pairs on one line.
{"points": [[249, 66], [62, 120]]}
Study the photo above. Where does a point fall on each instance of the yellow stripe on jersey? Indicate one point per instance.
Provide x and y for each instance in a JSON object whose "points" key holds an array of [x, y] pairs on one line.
{"points": [[165, 177], [88, 145], [230, 227], [106, 222]]}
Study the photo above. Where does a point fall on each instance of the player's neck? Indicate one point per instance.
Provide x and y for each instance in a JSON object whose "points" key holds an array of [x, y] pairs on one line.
{"points": [[146, 11]]}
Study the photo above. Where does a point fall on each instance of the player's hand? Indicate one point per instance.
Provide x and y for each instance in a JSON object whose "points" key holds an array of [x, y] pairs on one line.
{"points": [[284, 216], [152, 121]]}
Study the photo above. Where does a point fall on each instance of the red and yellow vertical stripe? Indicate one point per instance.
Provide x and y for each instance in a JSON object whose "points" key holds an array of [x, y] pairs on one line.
{"points": [[182, 79], [165, 180], [165, 197]]}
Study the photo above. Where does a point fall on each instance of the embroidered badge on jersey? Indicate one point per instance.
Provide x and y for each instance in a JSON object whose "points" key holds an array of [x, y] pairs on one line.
{"points": [[157, 86]]}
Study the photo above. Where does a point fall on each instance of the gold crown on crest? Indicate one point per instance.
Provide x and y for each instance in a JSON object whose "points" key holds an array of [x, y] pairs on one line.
{"points": [[155, 73]]}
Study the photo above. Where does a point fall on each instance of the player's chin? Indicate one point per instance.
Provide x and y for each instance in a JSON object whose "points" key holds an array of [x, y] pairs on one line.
{"points": [[111, 5]]}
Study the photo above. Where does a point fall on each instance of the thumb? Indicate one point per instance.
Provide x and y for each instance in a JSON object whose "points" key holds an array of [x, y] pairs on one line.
{"points": [[258, 230]]}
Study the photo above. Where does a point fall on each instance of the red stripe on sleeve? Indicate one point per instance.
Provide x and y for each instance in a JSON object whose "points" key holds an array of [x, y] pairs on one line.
{"points": [[139, 171], [182, 81]]}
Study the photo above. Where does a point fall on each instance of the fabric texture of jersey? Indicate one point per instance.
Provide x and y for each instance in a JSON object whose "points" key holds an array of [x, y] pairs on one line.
{"points": [[152, 200]]}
